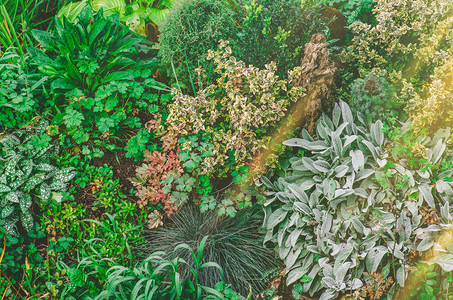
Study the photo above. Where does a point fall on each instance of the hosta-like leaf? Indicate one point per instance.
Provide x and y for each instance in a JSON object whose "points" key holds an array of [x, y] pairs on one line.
{"points": [[445, 260], [358, 159], [25, 202], [65, 175], [425, 244], [276, 217], [45, 167], [426, 194], [297, 143]]}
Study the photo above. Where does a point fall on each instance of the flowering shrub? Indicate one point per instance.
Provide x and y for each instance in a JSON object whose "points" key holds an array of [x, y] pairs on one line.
{"points": [[235, 113]]}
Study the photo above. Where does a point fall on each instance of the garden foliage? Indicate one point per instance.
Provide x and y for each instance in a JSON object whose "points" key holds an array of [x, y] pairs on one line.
{"points": [[276, 31], [236, 244], [28, 176], [347, 209], [357, 207], [192, 28]]}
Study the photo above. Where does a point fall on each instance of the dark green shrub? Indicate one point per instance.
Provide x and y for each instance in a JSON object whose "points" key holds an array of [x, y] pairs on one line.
{"points": [[192, 28], [90, 53], [236, 245], [277, 31], [374, 97], [354, 10]]}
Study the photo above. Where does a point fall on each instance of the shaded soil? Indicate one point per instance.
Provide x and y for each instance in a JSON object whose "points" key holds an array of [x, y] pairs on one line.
{"points": [[123, 169]]}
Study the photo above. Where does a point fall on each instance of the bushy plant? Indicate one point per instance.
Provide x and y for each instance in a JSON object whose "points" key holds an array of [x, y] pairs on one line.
{"points": [[101, 82], [192, 28], [432, 108], [28, 176], [90, 53], [277, 31], [153, 175], [346, 209], [20, 91], [354, 10], [236, 245], [374, 97], [406, 42], [234, 114]]}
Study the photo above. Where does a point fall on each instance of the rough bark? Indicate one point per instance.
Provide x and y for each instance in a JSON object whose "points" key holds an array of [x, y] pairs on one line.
{"points": [[317, 78]]}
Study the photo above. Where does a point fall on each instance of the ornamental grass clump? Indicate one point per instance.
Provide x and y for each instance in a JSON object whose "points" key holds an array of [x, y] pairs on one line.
{"points": [[236, 245], [346, 209]]}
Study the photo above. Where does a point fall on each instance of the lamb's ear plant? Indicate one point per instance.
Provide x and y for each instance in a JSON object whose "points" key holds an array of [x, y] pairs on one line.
{"points": [[27, 175], [346, 209]]}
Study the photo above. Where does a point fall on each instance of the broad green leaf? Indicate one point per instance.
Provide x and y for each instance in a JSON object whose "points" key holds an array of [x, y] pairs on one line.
{"points": [[13, 197], [7, 211], [4, 188]]}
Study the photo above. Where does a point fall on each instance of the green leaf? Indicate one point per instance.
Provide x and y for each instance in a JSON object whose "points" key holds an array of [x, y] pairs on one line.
{"points": [[276, 218], [25, 202], [4, 188], [73, 118], [26, 219], [190, 165], [32, 183], [7, 211], [13, 197], [104, 124], [45, 192]]}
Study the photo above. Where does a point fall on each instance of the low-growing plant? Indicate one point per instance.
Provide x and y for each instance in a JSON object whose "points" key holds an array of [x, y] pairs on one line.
{"points": [[20, 91], [160, 277], [374, 97], [346, 209], [27, 175], [90, 53], [236, 246]]}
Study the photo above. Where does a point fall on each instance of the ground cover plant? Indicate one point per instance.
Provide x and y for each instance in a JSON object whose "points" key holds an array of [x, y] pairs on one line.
{"points": [[226, 149]]}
